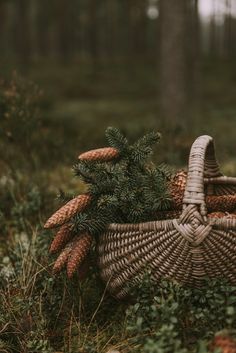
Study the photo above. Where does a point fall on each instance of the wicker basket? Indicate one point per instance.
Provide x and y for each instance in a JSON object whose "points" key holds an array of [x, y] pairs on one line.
{"points": [[185, 249]]}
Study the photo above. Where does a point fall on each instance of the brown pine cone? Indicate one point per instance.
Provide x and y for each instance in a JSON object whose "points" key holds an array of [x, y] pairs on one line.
{"points": [[224, 203], [177, 187], [101, 154], [67, 211], [80, 249], [226, 343], [219, 203], [62, 258], [61, 238], [216, 215]]}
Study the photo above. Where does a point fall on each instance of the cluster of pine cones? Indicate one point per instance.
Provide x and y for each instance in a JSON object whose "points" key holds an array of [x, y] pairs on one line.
{"points": [[74, 248], [218, 206]]}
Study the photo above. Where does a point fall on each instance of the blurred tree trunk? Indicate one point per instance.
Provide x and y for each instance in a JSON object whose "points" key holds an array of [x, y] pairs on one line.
{"points": [[228, 44], [43, 22], [2, 25], [233, 36], [139, 28], [113, 45], [93, 34], [129, 36], [22, 28], [65, 13], [173, 59], [136, 30], [213, 32], [194, 51]]}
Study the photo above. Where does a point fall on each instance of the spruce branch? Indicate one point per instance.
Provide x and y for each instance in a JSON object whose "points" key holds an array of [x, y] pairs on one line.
{"points": [[142, 149], [116, 139]]}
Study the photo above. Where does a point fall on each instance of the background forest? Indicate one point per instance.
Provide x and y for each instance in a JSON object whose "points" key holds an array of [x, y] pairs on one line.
{"points": [[69, 69], [138, 64]]}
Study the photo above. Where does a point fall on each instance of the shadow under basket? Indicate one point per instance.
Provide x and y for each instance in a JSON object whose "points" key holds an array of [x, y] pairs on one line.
{"points": [[187, 248]]}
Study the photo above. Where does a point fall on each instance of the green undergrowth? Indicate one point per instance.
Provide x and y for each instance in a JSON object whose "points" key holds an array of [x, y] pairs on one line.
{"points": [[40, 313], [168, 317], [43, 313]]}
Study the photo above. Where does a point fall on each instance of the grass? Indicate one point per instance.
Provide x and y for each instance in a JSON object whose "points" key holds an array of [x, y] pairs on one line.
{"points": [[40, 313]]}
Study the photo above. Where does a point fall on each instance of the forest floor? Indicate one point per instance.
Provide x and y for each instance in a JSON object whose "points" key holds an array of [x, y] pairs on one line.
{"points": [[42, 314]]}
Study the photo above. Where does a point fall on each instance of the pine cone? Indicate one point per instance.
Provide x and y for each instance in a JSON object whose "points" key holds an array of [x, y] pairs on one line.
{"points": [[101, 154], [67, 211], [177, 188], [224, 203], [226, 343], [80, 249], [62, 258], [61, 238], [216, 215]]}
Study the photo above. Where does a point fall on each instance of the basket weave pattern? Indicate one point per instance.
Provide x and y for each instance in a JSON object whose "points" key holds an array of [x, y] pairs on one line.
{"points": [[187, 248]]}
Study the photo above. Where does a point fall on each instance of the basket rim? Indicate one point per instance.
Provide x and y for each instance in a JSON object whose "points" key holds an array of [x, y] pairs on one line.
{"points": [[221, 223], [224, 179]]}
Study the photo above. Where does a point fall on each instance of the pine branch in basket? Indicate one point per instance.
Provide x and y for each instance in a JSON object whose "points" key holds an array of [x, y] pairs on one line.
{"points": [[124, 186]]}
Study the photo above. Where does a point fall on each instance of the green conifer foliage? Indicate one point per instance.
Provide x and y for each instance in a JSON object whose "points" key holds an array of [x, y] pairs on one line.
{"points": [[128, 189]]}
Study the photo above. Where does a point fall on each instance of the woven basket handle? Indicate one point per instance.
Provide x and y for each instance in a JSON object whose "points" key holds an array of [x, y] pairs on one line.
{"points": [[202, 164]]}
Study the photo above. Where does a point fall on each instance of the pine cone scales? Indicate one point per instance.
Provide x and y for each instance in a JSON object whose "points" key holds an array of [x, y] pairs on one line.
{"points": [[226, 343], [214, 203], [67, 211], [224, 203], [101, 154], [61, 238], [62, 258], [80, 249], [222, 214], [177, 188], [216, 215]]}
